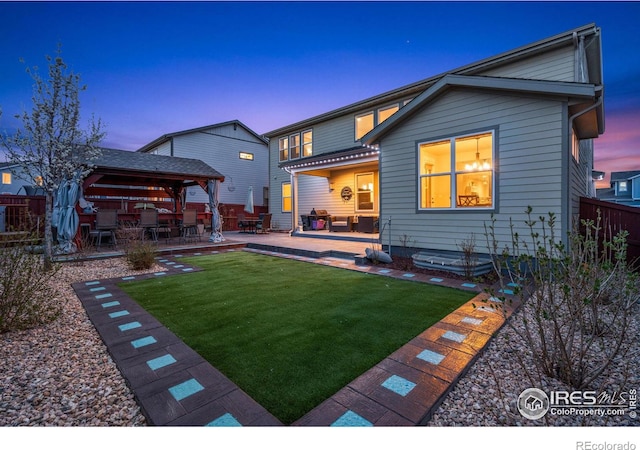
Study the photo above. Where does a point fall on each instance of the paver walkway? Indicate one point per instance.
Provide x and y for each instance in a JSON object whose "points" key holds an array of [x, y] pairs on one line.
{"points": [[175, 386]]}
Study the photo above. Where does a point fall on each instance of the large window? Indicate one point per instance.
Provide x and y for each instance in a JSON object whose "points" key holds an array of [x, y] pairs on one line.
{"points": [[457, 172], [286, 197], [365, 192], [290, 147]]}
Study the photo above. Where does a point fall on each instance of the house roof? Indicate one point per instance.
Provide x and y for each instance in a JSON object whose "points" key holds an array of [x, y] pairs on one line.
{"points": [[582, 93], [595, 74], [169, 136], [624, 176], [7, 164]]}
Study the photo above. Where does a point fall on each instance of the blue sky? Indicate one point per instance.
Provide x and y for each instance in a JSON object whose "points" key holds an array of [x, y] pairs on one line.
{"points": [[153, 68]]}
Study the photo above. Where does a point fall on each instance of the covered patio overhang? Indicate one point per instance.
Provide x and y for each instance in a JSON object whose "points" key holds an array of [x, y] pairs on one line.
{"points": [[361, 157]]}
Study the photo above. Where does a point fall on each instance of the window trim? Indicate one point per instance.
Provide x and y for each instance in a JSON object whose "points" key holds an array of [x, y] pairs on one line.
{"points": [[303, 145], [575, 146], [358, 191], [292, 137], [283, 149], [355, 123], [384, 108], [285, 146], [282, 197], [452, 173]]}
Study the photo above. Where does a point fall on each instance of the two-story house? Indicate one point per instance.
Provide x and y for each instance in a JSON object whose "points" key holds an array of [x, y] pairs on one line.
{"points": [[235, 150], [625, 188], [437, 159]]}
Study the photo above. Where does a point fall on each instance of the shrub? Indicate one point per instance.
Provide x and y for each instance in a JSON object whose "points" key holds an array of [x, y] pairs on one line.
{"points": [[26, 291], [140, 255], [577, 296], [469, 256]]}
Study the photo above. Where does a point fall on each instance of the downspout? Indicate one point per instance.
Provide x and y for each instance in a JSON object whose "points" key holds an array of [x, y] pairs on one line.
{"points": [[569, 134]]}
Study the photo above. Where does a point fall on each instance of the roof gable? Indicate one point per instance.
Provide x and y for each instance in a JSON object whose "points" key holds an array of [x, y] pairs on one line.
{"points": [[624, 176], [514, 85], [168, 136]]}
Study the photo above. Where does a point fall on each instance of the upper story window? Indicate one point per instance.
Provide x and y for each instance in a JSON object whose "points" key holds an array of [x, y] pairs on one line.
{"points": [[367, 121], [6, 177], [307, 143], [296, 145], [575, 146], [385, 113], [457, 172], [246, 156], [364, 124], [622, 186], [283, 148]]}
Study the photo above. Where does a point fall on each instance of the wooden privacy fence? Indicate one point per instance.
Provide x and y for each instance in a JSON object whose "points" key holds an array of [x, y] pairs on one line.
{"points": [[616, 218], [21, 212]]}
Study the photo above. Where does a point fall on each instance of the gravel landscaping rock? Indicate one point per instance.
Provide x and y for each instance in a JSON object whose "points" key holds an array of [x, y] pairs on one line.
{"points": [[487, 394], [61, 374]]}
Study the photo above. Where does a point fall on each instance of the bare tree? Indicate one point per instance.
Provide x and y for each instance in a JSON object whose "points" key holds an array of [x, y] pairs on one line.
{"points": [[52, 147]]}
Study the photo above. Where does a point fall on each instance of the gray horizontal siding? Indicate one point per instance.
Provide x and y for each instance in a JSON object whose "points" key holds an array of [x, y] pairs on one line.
{"points": [[557, 65], [529, 165], [219, 147]]}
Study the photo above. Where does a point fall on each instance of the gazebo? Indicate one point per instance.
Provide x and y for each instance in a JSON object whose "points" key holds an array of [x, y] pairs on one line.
{"points": [[124, 174], [126, 179]]}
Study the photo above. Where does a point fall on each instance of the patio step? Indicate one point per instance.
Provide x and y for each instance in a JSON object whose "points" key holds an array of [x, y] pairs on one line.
{"points": [[302, 252]]}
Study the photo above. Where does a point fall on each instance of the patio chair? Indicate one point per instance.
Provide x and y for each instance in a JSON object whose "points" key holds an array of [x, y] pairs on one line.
{"points": [[340, 223], [149, 221], [189, 225], [367, 224], [242, 224], [106, 225], [264, 225]]}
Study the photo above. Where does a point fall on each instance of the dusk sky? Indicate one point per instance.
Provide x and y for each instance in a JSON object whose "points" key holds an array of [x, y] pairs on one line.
{"points": [[153, 68]]}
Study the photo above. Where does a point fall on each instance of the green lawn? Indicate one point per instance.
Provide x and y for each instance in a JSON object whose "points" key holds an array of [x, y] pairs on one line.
{"points": [[290, 333]]}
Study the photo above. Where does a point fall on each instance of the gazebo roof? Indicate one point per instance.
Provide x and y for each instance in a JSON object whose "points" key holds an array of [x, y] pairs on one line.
{"points": [[127, 168]]}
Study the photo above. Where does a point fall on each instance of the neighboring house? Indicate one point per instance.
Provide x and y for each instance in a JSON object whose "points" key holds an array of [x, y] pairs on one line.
{"points": [[625, 188], [440, 157], [232, 148], [15, 181]]}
